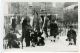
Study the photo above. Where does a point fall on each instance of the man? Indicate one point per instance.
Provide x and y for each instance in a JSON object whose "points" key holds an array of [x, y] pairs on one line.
{"points": [[14, 23], [71, 34], [53, 29], [26, 31]]}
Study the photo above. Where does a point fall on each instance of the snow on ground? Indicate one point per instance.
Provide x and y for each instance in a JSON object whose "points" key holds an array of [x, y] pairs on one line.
{"points": [[60, 45]]}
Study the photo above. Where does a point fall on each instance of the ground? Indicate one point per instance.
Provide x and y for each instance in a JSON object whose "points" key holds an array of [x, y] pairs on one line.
{"points": [[60, 45]]}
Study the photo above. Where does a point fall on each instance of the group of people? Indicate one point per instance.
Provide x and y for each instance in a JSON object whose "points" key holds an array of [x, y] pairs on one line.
{"points": [[29, 34], [33, 34]]}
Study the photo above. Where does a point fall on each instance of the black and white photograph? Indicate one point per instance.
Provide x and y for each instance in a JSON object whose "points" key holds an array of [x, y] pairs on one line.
{"points": [[41, 26]]}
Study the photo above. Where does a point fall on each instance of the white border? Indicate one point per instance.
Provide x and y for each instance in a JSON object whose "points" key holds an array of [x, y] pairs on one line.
{"points": [[2, 2]]}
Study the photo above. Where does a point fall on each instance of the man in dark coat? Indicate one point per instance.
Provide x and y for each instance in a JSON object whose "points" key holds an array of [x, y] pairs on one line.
{"points": [[14, 23], [71, 34], [53, 29], [26, 31]]}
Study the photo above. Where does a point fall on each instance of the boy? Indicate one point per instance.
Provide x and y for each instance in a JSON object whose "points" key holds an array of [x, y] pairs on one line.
{"points": [[71, 35]]}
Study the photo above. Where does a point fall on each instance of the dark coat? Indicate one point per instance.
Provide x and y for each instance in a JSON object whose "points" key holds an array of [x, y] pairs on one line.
{"points": [[71, 34], [26, 28], [53, 29], [13, 23]]}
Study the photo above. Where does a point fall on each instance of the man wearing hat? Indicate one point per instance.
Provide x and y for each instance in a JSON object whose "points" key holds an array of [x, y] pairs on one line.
{"points": [[26, 28], [71, 34], [53, 29]]}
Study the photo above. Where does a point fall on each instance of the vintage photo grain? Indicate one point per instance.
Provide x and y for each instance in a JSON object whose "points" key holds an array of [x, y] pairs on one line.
{"points": [[41, 26]]}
